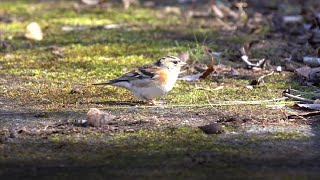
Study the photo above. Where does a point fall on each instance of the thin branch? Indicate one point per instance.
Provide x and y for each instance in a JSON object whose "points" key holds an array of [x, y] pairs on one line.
{"points": [[211, 90], [297, 98]]}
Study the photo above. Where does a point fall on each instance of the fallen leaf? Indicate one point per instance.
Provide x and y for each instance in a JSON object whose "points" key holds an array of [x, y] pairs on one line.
{"points": [[234, 72], [209, 70], [309, 106], [184, 56], [194, 77], [304, 71], [202, 75], [34, 32], [90, 2]]}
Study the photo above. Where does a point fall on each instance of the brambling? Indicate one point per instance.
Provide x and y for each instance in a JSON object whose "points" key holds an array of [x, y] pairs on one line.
{"points": [[152, 80]]}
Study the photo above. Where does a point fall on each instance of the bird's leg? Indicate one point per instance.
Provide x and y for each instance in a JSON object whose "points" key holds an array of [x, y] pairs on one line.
{"points": [[152, 102], [162, 101]]}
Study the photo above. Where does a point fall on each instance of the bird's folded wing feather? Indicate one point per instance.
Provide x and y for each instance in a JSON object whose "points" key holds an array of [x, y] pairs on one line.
{"points": [[144, 72]]}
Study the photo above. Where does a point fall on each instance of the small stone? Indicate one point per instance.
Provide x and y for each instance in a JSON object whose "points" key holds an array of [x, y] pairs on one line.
{"points": [[99, 118], [34, 32], [213, 128]]}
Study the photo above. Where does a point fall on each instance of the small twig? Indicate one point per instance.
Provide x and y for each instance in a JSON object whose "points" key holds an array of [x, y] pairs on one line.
{"points": [[260, 79], [211, 90], [45, 128], [250, 65], [243, 51], [303, 115], [208, 100]]}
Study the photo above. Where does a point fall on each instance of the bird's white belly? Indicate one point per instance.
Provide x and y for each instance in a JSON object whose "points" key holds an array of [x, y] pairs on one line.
{"points": [[147, 93]]}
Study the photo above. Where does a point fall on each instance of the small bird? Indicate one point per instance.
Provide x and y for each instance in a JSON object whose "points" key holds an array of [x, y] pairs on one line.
{"points": [[152, 80]]}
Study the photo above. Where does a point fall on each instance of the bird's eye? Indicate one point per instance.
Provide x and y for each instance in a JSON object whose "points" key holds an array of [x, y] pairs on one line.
{"points": [[175, 62]]}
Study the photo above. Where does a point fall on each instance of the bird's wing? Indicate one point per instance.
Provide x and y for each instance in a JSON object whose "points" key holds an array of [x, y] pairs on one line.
{"points": [[144, 72]]}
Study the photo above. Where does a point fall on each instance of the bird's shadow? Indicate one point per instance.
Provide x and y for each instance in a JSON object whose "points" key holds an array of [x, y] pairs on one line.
{"points": [[120, 103]]}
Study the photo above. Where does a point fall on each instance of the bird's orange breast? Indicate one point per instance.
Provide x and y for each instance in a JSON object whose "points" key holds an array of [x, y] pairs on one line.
{"points": [[163, 76]]}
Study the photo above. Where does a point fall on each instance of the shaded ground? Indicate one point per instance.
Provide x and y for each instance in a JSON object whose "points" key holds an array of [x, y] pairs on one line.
{"points": [[45, 92], [159, 143]]}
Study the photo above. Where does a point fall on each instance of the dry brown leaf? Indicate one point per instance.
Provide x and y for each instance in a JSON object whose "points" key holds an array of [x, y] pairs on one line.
{"points": [[209, 70], [304, 71]]}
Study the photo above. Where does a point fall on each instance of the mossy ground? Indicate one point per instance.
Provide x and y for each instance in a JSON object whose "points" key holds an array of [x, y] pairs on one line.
{"points": [[145, 142]]}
